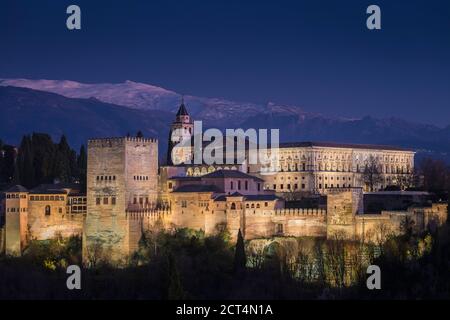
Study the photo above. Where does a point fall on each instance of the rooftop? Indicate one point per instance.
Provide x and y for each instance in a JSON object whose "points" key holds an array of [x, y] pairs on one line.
{"points": [[197, 188], [222, 174], [58, 188], [341, 145], [253, 197], [182, 111], [17, 188]]}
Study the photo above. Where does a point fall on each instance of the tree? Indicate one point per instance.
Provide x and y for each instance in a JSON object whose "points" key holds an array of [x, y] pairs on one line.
{"points": [[405, 180], [44, 155], [174, 286], [26, 173], [139, 134], [372, 173], [8, 156], [240, 259], [435, 175], [82, 167], [65, 161]]}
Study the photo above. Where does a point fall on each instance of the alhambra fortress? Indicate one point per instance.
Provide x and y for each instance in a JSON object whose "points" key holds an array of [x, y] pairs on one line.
{"points": [[316, 190]]}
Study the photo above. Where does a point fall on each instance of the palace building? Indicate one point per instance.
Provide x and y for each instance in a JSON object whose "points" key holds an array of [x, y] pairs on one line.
{"points": [[128, 193]]}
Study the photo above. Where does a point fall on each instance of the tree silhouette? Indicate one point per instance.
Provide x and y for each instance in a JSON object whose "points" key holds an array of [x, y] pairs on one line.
{"points": [[240, 259]]}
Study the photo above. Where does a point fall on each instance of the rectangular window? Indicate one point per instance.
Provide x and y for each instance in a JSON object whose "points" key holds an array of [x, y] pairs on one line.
{"points": [[303, 186], [113, 200], [97, 201], [259, 187], [246, 185], [183, 203], [239, 184], [231, 185], [279, 228], [320, 186], [105, 200]]}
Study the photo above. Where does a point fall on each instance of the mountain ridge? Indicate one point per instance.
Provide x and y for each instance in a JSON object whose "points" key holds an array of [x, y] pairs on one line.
{"points": [[82, 118]]}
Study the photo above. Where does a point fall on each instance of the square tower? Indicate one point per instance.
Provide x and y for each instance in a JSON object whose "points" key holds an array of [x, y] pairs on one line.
{"points": [[122, 176]]}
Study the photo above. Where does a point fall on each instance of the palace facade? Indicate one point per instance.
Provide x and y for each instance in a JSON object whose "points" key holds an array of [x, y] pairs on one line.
{"points": [[129, 194]]}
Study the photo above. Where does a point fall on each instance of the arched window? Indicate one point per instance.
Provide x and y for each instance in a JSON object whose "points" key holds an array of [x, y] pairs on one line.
{"points": [[233, 206], [47, 210]]}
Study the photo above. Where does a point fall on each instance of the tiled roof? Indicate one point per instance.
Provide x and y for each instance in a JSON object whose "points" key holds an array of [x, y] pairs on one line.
{"points": [[253, 197], [197, 188], [262, 197], [17, 188], [54, 188], [182, 111], [221, 174], [340, 145], [185, 178]]}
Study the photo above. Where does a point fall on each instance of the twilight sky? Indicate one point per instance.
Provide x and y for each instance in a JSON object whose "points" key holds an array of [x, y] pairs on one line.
{"points": [[317, 54]]}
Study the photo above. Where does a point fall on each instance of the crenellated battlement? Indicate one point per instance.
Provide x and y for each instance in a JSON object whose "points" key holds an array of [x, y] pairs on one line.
{"points": [[294, 212], [147, 213], [342, 190], [300, 212], [137, 139], [118, 141]]}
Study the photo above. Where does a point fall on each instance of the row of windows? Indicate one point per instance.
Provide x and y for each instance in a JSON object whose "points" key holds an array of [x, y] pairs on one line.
{"points": [[344, 168], [337, 178], [342, 157], [79, 208], [140, 178], [247, 205], [98, 200], [288, 186], [239, 185], [15, 196], [16, 209], [106, 178], [46, 198], [48, 210], [80, 200], [337, 185], [141, 200]]}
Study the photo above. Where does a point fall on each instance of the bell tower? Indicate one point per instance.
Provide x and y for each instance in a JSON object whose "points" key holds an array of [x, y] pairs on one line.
{"points": [[181, 129]]}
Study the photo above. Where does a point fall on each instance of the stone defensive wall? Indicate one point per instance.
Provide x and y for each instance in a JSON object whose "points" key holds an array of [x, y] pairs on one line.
{"points": [[47, 227], [116, 141], [139, 214], [300, 212]]}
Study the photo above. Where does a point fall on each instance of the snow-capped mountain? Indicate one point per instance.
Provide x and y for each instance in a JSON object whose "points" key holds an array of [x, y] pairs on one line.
{"points": [[83, 111], [148, 97]]}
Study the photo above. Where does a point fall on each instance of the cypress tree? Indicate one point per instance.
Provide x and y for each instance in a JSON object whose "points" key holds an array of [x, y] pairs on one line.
{"points": [[240, 259], [63, 161], [82, 166], [26, 172], [174, 287], [44, 152]]}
